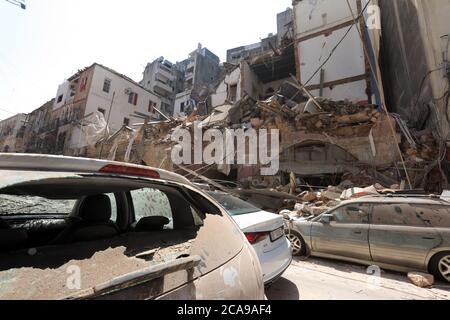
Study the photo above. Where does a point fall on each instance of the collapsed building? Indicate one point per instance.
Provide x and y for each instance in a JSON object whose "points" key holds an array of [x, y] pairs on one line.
{"points": [[343, 134]]}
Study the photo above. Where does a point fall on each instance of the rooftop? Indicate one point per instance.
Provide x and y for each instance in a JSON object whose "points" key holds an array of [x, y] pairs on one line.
{"points": [[76, 75]]}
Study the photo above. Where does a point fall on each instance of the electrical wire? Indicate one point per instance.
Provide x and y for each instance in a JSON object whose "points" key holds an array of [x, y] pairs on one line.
{"points": [[422, 84], [4, 110], [356, 19]]}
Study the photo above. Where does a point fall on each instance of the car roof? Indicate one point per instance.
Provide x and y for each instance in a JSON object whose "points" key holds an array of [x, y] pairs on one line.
{"points": [[411, 199], [52, 163]]}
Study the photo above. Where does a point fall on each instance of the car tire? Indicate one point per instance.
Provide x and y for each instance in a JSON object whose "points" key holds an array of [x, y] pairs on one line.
{"points": [[297, 242], [440, 266]]}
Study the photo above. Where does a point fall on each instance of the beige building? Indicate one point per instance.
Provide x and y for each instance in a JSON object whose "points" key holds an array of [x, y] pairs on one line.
{"points": [[104, 96], [11, 133]]}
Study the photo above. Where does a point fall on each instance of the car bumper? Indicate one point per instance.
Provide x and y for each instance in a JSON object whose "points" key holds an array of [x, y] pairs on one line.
{"points": [[275, 263]]}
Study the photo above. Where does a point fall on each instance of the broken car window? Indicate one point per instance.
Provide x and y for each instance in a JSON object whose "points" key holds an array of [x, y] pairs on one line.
{"points": [[233, 205], [151, 203], [21, 205]]}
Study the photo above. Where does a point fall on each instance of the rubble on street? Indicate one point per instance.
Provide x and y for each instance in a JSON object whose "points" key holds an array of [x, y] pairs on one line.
{"points": [[422, 280]]}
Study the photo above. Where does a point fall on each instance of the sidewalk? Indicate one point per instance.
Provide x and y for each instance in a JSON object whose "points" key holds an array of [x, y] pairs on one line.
{"points": [[318, 279]]}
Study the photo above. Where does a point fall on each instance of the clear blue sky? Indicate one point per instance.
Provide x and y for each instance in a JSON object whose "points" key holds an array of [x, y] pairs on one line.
{"points": [[52, 39]]}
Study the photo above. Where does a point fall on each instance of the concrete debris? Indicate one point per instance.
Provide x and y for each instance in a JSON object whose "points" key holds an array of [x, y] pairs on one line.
{"points": [[425, 151], [358, 193], [422, 280], [310, 197], [332, 193]]}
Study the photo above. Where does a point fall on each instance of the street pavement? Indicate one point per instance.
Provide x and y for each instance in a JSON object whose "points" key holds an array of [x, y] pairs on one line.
{"points": [[321, 279]]}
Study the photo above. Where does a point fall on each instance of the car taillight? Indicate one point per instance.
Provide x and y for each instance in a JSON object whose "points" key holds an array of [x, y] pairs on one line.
{"points": [[255, 237], [132, 171]]}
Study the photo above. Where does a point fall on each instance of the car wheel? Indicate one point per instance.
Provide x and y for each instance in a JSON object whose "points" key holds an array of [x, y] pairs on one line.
{"points": [[297, 242], [440, 266]]}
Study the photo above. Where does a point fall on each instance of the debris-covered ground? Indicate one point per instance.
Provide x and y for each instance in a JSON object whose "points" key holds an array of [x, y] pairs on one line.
{"points": [[320, 279]]}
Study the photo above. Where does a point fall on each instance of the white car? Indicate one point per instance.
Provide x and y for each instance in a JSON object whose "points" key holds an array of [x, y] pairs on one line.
{"points": [[116, 231], [264, 230]]}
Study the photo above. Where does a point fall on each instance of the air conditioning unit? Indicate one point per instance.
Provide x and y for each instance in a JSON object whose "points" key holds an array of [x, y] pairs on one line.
{"points": [[128, 91]]}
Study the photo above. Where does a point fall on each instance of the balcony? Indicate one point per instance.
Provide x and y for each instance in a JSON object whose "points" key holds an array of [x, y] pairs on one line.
{"points": [[163, 86], [166, 73], [190, 66], [189, 76]]}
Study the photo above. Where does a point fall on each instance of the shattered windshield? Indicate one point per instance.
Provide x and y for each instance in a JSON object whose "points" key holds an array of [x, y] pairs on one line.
{"points": [[233, 205]]}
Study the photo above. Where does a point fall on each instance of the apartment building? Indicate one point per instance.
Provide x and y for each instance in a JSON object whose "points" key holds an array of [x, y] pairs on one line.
{"points": [[236, 55], [99, 90], [38, 134], [268, 44], [163, 78], [201, 71]]}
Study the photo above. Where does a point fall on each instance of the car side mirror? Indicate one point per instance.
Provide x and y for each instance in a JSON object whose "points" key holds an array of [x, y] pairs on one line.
{"points": [[326, 218]]}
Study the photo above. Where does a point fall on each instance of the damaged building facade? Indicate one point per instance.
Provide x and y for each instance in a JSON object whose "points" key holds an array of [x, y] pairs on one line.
{"points": [[163, 77], [88, 106], [284, 31], [325, 141], [11, 133], [201, 71]]}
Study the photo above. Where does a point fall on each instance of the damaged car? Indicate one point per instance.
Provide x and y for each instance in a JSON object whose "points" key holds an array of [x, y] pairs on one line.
{"points": [[397, 233], [73, 228], [264, 231]]}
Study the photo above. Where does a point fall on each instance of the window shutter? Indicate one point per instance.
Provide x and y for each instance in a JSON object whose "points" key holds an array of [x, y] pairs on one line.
{"points": [[135, 99]]}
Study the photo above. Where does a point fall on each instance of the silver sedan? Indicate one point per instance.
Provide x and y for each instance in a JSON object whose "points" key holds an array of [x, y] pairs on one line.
{"points": [[395, 233]]}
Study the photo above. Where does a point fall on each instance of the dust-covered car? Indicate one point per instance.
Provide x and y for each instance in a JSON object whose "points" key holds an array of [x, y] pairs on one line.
{"points": [[74, 228], [264, 231], [397, 233]]}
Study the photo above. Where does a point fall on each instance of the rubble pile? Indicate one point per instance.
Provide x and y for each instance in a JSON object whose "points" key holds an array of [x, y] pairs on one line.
{"points": [[349, 126], [333, 115], [314, 203], [425, 150], [279, 113]]}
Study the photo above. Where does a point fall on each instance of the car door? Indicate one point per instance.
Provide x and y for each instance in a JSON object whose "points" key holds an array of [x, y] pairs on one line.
{"points": [[399, 235], [346, 235]]}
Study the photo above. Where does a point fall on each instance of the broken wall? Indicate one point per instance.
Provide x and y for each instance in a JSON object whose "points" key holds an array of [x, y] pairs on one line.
{"points": [[250, 83], [319, 27], [354, 140], [224, 90]]}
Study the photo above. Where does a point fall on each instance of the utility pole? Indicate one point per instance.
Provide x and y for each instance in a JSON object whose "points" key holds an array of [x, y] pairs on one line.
{"points": [[19, 3]]}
